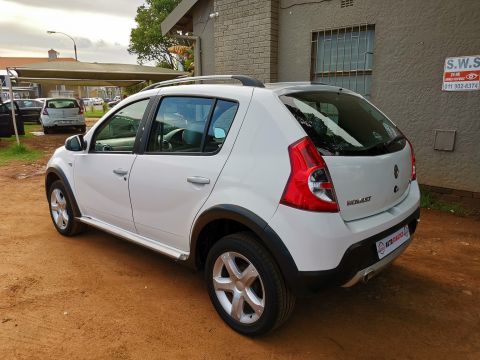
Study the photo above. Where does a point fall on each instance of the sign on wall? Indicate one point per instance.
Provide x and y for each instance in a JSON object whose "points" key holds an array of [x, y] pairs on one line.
{"points": [[462, 73]]}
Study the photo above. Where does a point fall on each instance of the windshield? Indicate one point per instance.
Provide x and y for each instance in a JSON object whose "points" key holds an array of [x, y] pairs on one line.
{"points": [[343, 124]]}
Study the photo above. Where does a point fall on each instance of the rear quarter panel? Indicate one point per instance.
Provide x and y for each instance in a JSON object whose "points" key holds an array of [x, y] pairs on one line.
{"points": [[258, 168]]}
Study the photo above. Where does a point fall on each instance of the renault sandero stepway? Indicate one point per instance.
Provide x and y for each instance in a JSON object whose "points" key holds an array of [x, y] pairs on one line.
{"points": [[274, 191]]}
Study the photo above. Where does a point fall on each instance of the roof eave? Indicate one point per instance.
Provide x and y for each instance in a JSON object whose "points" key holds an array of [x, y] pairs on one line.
{"points": [[176, 15]]}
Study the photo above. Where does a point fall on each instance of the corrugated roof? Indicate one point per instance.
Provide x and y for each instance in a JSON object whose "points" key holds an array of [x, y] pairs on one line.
{"points": [[81, 73]]}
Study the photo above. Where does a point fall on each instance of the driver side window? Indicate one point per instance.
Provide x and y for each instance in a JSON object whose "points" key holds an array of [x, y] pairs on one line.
{"points": [[118, 133]]}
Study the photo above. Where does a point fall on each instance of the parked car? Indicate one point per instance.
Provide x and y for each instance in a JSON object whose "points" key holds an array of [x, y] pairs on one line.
{"points": [[98, 101], [112, 104], [6, 123], [275, 192], [60, 113], [88, 101], [31, 109]]}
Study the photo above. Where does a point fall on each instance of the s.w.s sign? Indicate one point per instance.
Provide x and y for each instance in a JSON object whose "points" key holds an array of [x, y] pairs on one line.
{"points": [[462, 73]]}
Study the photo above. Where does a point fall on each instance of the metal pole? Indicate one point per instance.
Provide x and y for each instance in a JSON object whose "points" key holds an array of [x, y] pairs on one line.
{"points": [[12, 101], [71, 38]]}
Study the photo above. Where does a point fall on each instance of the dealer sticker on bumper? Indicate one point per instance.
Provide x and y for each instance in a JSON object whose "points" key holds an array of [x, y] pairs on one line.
{"points": [[392, 242]]}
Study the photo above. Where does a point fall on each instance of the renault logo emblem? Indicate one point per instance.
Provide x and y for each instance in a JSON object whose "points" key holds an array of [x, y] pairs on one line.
{"points": [[395, 171]]}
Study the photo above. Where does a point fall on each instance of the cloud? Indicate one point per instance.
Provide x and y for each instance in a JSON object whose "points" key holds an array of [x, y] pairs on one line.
{"points": [[117, 7], [26, 41]]}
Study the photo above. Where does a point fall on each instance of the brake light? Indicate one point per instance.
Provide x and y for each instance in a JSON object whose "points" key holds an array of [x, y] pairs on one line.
{"points": [[414, 170], [45, 112], [309, 186], [80, 110]]}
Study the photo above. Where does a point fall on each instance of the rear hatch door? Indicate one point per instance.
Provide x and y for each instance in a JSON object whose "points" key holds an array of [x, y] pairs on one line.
{"points": [[368, 158], [63, 109]]}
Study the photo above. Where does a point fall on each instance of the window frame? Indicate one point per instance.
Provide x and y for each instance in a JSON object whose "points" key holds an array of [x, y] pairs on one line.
{"points": [[156, 108], [140, 131], [317, 75]]}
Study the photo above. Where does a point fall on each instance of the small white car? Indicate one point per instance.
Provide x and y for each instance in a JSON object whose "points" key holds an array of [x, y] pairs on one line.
{"points": [[62, 112], [274, 191]]}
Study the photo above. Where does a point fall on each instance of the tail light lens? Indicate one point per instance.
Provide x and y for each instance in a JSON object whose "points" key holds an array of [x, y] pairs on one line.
{"points": [[309, 186], [45, 111], [414, 170]]}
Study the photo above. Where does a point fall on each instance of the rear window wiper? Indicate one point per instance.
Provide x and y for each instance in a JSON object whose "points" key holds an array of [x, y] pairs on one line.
{"points": [[395, 139]]}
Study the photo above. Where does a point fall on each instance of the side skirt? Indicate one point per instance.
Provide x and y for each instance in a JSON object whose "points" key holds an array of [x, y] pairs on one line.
{"points": [[135, 238]]}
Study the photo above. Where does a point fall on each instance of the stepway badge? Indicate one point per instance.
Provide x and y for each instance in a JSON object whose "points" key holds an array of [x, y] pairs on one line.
{"points": [[462, 73]]}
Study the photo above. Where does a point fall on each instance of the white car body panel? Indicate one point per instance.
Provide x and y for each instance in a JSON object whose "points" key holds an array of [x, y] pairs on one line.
{"points": [[258, 168], [372, 177], [318, 241], [102, 194], [164, 204]]}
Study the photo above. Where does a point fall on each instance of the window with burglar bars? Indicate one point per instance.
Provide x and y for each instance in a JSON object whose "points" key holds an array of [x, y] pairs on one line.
{"points": [[344, 57]]}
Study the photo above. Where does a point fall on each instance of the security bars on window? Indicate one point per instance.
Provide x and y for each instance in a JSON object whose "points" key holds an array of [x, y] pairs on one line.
{"points": [[344, 57]]}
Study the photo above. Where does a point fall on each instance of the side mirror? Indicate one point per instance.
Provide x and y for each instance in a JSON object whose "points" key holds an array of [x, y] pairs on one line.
{"points": [[75, 143]]}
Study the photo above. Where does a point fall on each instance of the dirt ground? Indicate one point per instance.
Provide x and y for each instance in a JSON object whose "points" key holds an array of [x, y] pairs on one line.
{"points": [[98, 297]]}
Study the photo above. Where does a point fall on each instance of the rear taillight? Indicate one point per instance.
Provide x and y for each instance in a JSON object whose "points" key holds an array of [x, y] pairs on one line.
{"points": [[412, 154], [309, 186], [45, 112]]}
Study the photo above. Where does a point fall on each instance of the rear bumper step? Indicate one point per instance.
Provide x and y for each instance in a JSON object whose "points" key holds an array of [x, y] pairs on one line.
{"points": [[360, 262]]}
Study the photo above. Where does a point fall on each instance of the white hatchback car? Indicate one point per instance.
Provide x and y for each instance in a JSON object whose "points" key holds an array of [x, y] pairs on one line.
{"points": [[62, 112], [275, 192]]}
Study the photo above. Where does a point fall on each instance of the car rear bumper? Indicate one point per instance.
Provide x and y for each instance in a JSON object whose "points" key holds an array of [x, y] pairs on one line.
{"points": [[75, 121], [360, 262], [326, 250]]}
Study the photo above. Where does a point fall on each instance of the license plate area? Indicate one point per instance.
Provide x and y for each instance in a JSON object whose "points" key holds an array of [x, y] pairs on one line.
{"points": [[392, 242]]}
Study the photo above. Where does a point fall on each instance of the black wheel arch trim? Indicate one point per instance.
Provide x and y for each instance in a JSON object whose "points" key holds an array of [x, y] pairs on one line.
{"points": [[61, 175], [258, 226]]}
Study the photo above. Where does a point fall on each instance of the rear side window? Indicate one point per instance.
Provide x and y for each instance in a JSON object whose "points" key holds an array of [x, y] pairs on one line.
{"points": [[181, 124], [343, 124], [62, 104]]}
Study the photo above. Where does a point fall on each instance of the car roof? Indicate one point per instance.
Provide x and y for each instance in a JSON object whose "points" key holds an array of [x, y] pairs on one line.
{"points": [[282, 88]]}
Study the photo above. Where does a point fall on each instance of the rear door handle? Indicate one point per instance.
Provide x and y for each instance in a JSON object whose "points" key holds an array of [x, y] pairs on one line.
{"points": [[120, 172], [198, 180]]}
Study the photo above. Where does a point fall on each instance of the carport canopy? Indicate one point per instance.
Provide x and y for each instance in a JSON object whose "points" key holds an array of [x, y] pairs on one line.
{"points": [[91, 74]]}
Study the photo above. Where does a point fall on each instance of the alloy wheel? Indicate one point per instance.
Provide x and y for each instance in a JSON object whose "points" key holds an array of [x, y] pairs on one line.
{"points": [[238, 287], [58, 207]]}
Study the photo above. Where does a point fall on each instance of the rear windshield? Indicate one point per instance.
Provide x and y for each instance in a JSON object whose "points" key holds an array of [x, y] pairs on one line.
{"points": [[62, 104], [343, 124]]}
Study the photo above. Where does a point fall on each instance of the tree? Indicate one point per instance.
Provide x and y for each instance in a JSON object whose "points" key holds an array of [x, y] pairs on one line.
{"points": [[146, 40]]}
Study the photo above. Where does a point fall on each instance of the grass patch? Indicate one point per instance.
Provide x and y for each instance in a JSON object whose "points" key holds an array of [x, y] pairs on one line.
{"points": [[428, 201], [94, 114], [20, 152], [28, 133]]}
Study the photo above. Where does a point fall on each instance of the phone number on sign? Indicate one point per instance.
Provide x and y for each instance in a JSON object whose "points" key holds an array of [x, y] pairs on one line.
{"points": [[462, 86]]}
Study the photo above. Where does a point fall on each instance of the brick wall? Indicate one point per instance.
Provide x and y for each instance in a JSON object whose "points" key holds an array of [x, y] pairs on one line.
{"points": [[246, 38]]}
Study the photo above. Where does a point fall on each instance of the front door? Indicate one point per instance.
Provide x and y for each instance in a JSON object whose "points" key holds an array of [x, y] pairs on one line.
{"points": [[102, 174], [185, 154]]}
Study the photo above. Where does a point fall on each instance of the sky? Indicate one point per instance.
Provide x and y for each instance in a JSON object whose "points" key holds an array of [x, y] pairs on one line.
{"points": [[101, 28]]}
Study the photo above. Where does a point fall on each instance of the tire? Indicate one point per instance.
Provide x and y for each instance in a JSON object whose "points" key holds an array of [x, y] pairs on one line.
{"points": [[46, 130], [61, 210], [272, 302]]}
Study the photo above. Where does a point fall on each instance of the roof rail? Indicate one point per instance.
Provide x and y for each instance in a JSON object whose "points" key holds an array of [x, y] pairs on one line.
{"points": [[245, 80]]}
